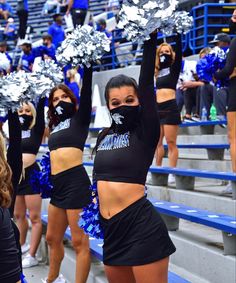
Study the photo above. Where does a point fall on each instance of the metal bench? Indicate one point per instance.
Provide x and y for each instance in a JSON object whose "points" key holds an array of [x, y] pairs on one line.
{"points": [[172, 212], [214, 151], [185, 178]]}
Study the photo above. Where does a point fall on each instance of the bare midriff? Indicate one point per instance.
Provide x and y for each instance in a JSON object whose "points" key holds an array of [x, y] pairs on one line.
{"points": [[28, 159], [116, 196], [164, 94], [65, 158]]}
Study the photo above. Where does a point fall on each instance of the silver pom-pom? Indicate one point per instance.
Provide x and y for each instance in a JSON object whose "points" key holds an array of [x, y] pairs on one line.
{"points": [[4, 62], [83, 46], [139, 18], [179, 21], [15, 89], [47, 75]]}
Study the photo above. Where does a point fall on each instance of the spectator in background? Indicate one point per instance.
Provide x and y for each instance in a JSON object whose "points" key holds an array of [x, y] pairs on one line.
{"points": [[22, 13], [10, 29], [113, 5], [186, 79], [232, 23], [208, 93], [27, 59], [3, 49], [73, 82], [107, 58], [78, 9], [51, 6], [56, 30], [5, 9], [48, 48], [221, 40]]}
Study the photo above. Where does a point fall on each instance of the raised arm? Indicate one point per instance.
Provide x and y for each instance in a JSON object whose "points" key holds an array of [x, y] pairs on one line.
{"points": [[14, 154], [40, 122], [176, 67], [85, 105], [230, 63], [147, 99]]}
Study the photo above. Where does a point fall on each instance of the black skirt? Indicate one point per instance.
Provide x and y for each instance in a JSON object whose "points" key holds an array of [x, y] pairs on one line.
{"points": [[135, 236], [71, 188], [24, 187], [169, 113], [232, 95]]}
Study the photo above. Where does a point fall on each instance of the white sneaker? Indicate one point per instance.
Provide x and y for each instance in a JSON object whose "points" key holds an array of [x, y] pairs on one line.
{"points": [[171, 179], [59, 279], [25, 248], [29, 261]]}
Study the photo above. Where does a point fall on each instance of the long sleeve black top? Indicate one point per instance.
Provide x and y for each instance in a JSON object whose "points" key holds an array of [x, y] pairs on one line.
{"points": [[126, 157], [73, 132]]}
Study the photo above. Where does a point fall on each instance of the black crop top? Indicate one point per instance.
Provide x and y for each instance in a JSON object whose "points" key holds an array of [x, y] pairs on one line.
{"points": [[32, 139], [168, 77], [73, 132], [230, 62], [14, 154], [127, 157]]}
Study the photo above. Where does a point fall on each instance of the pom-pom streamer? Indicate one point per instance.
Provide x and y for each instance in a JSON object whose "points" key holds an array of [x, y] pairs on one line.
{"points": [[83, 46], [40, 180], [89, 220]]}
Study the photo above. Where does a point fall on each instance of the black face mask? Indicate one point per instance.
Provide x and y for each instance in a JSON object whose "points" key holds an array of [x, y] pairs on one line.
{"points": [[232, 27], [165, 61], [64, 110], [25, 121], [125, 118]]}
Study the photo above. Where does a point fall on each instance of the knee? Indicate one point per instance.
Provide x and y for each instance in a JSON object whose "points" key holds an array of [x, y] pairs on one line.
{"points": [[20, 215], [52, 239], [171, 145], [80, 244], [35, 218]]}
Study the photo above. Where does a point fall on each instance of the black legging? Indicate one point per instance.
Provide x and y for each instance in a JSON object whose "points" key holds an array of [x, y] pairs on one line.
{"points": [[191, 101], [23, 17], [78, 16]]}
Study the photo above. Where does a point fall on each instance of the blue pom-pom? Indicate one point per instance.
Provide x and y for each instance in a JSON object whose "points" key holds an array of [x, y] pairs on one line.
{"points": [[89, 220], [41, 180], [22, 278], [209, 64]]}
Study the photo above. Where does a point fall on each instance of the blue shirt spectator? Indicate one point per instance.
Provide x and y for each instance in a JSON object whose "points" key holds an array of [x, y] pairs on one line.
{"points": [[80, 4], [27, 59], [5, 9], [57, 31], [10, 29]]}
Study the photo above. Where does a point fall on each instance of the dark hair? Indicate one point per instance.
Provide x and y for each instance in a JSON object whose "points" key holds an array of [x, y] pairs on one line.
{"points": [[47, 36], [115, 82], [55, 16], [53, 119]]}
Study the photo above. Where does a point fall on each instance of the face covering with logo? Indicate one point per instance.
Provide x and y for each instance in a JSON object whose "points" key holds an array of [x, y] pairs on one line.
{"points": [[64, 110], [125, 118], [165, 61], [25, 121]]}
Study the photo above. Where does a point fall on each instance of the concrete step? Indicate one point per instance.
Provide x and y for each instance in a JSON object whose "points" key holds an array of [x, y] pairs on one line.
{"points": [[200, 252], [206, 196], [199, 139], [217, 130]]}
